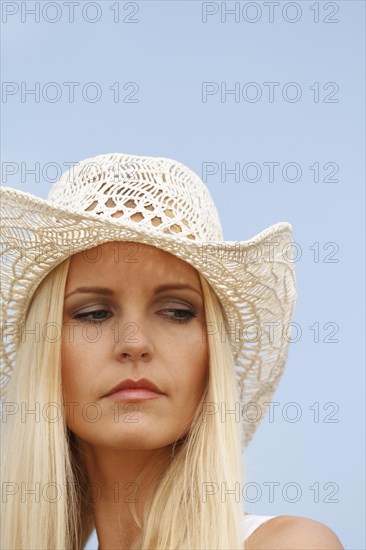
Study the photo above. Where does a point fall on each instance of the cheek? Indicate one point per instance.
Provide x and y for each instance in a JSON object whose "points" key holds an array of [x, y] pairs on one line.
{"points": [[79, 366], [78, 360], [191, 372]]}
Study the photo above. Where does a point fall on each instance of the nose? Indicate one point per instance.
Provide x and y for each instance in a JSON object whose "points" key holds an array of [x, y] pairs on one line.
{"points": [[132, 343]]}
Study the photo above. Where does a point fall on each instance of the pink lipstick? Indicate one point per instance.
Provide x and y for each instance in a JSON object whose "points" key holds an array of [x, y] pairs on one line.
{"points": [[134, 390]]}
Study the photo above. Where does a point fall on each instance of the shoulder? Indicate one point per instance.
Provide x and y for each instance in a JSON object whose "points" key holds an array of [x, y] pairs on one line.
{"points": [[293, 533]]}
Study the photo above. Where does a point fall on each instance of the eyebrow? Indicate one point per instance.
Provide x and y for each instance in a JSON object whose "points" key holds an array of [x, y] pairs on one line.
{"points": [[162, 288], [108, 292], [90, 290]]}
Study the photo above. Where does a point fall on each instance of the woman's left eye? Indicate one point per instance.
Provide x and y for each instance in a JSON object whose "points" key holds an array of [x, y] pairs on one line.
{"points": [[95, 316], [179, 315]]}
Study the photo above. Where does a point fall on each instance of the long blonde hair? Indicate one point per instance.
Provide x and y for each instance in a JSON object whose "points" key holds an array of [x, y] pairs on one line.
{"points": [[45, 487]]}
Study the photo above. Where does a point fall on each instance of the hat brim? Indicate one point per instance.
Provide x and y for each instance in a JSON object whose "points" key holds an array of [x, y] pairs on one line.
{"points": [[253, 279]]}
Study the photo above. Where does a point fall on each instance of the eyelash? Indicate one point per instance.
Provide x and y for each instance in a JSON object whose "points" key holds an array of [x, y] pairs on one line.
{"points": [[85, 317], [190, 315]]}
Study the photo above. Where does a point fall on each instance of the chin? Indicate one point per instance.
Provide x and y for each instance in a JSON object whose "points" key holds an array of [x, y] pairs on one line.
{"points": [[133, 444], [135, 438]]}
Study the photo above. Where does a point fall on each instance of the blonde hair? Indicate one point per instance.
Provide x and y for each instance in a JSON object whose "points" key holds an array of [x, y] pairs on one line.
{"points": [[46, 504]]}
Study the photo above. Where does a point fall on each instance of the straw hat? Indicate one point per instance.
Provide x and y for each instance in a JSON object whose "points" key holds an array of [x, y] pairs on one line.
{"points": [[159, 202]]}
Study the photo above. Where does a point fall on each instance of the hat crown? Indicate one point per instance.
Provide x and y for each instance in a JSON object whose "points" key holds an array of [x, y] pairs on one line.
{"points": [[161, 195]]}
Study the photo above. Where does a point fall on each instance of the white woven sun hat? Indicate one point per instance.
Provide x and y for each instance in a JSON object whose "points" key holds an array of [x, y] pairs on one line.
{"points": [[159, 202]]}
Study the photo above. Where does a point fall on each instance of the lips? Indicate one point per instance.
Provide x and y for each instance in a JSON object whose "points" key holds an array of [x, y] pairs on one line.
{"points": [[128, 384]]}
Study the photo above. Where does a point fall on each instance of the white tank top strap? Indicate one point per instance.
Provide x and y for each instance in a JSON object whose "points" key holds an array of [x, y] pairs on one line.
{"points": [[251, 522]]}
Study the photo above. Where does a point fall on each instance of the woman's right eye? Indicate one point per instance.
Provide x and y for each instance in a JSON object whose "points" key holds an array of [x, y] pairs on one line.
{"points": [[95, 316]]}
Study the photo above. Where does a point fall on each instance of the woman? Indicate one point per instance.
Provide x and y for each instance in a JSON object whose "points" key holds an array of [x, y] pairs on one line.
{"points": [[132, 332]]}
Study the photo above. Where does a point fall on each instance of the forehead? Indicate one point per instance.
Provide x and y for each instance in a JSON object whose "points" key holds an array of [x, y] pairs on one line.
{"points": [[131, 261]]}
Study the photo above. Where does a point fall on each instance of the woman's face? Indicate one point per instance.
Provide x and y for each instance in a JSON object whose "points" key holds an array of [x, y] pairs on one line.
{"points": [[132, 311]]}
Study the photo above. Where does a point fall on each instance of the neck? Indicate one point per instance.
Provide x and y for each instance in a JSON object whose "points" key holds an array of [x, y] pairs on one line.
{"points": [[119, 481]]}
